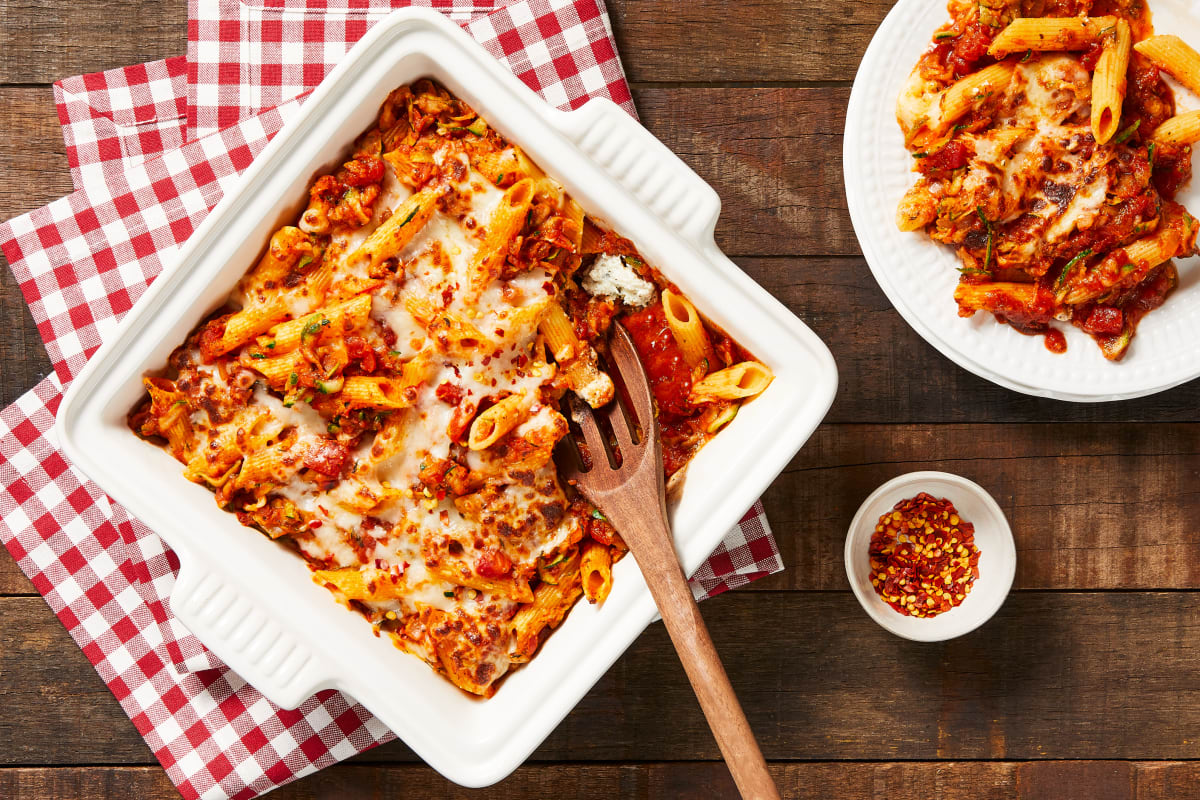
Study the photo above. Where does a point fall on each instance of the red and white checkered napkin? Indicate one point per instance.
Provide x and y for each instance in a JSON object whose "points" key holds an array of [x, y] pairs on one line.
{"points": [[248, 57], [81, 263], [118, 119]]}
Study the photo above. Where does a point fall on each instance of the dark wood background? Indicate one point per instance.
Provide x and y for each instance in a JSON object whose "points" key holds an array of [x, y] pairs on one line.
{"points": [[1083, 686]]}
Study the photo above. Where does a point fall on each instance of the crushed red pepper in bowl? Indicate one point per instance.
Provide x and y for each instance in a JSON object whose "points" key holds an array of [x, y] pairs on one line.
{"points": [[923, 556]]}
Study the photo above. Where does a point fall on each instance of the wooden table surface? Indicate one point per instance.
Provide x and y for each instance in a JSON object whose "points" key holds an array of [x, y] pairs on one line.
{"points": [[1084, 685]]}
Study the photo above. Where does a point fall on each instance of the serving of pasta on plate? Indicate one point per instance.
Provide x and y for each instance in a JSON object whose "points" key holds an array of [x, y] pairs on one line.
{"points": [[382, 389], [1050, 154]]}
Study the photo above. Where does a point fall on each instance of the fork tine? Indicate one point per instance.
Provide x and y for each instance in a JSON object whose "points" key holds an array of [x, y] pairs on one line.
{"points": [[637, 385], [620, 428], [592, 436]]}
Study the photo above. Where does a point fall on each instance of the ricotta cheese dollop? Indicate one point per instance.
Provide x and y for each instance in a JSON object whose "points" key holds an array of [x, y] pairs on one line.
{"points": [[610, 276]]}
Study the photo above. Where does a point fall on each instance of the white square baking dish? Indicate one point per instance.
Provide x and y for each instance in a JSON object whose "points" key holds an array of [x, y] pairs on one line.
{"points": [[250, 600]]}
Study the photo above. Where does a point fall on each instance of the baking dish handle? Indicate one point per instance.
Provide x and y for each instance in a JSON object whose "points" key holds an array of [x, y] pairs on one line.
{"points": [[643, 165], [246, 637]]}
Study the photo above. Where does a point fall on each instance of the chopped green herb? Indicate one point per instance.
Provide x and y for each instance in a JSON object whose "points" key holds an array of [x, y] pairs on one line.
{"points": [[1125, 134], [448, 594], [408, 219], [289, 401], [973, 271], [1026, 57], [500, 178], [920, 155], [478, 127], [987, 224], [1128, 268], [179, 403], [1150, 153], [293, 379], [945, 35], [597, 515], [311, 329], [1070, 264], [962, 126], [271, 346], [333, 428], [258, 355], [394, 353], [304, 261]]}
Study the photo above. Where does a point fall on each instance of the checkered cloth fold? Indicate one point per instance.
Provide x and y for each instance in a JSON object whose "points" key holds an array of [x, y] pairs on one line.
{"points": [[81, 262]]}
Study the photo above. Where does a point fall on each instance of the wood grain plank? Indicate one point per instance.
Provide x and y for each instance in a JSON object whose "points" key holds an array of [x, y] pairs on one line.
{"points": [[763, 40], [57, 40], [888, 373], [1053, 676], [680, 40], [57, 710], [1091, 506], [32, 153], [773, 155], [12, 580], [946, 780]]}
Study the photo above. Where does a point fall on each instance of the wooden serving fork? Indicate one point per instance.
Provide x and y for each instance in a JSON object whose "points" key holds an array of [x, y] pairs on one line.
{"points": [[632, 495]]}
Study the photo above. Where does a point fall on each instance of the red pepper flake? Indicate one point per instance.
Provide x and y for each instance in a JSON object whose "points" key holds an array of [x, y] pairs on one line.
{"points": [[923, 556], [316, 523]]}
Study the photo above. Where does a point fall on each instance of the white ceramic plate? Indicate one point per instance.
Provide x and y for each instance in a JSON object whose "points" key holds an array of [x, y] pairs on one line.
{"points": [[918, 275], [993, 537], [253, 602]]}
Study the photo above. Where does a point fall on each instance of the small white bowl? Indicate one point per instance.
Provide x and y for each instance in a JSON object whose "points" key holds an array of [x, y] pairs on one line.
{"points": [[993, 537]]}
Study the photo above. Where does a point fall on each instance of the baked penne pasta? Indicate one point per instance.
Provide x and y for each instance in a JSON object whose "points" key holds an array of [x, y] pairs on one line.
{"points": [[747, 379], [398, 230], [551, 601], [595, 571], [1057, 191], [1180, 129], [687, 329], [386, 403], [1108, 82], [363, 584], [496, 422], [1175, 56], [1049, 33], [964, 95], [506, 221], [577, 360]]}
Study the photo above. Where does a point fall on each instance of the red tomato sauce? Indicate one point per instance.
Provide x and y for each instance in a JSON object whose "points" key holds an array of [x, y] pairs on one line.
{"points": [[670, 377]]}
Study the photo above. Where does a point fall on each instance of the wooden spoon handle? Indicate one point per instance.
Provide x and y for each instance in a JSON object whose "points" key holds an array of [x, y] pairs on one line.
{"points": [[688, 632]]}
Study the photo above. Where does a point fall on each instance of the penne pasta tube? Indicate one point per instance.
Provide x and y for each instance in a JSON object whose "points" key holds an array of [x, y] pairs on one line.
{"points": [[1042, 34], [1108, 83], [506, 222], [368, 391], [551, 602], [361, 583], [959, 98], [595, 571], [1126, 266], [513, 588], [559, 333], [1180, 129], [491, 425], [406, 221], [577, 360], [339, 318], [687, 329], [745, 379], [1175, 57], [1025, 301]]}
